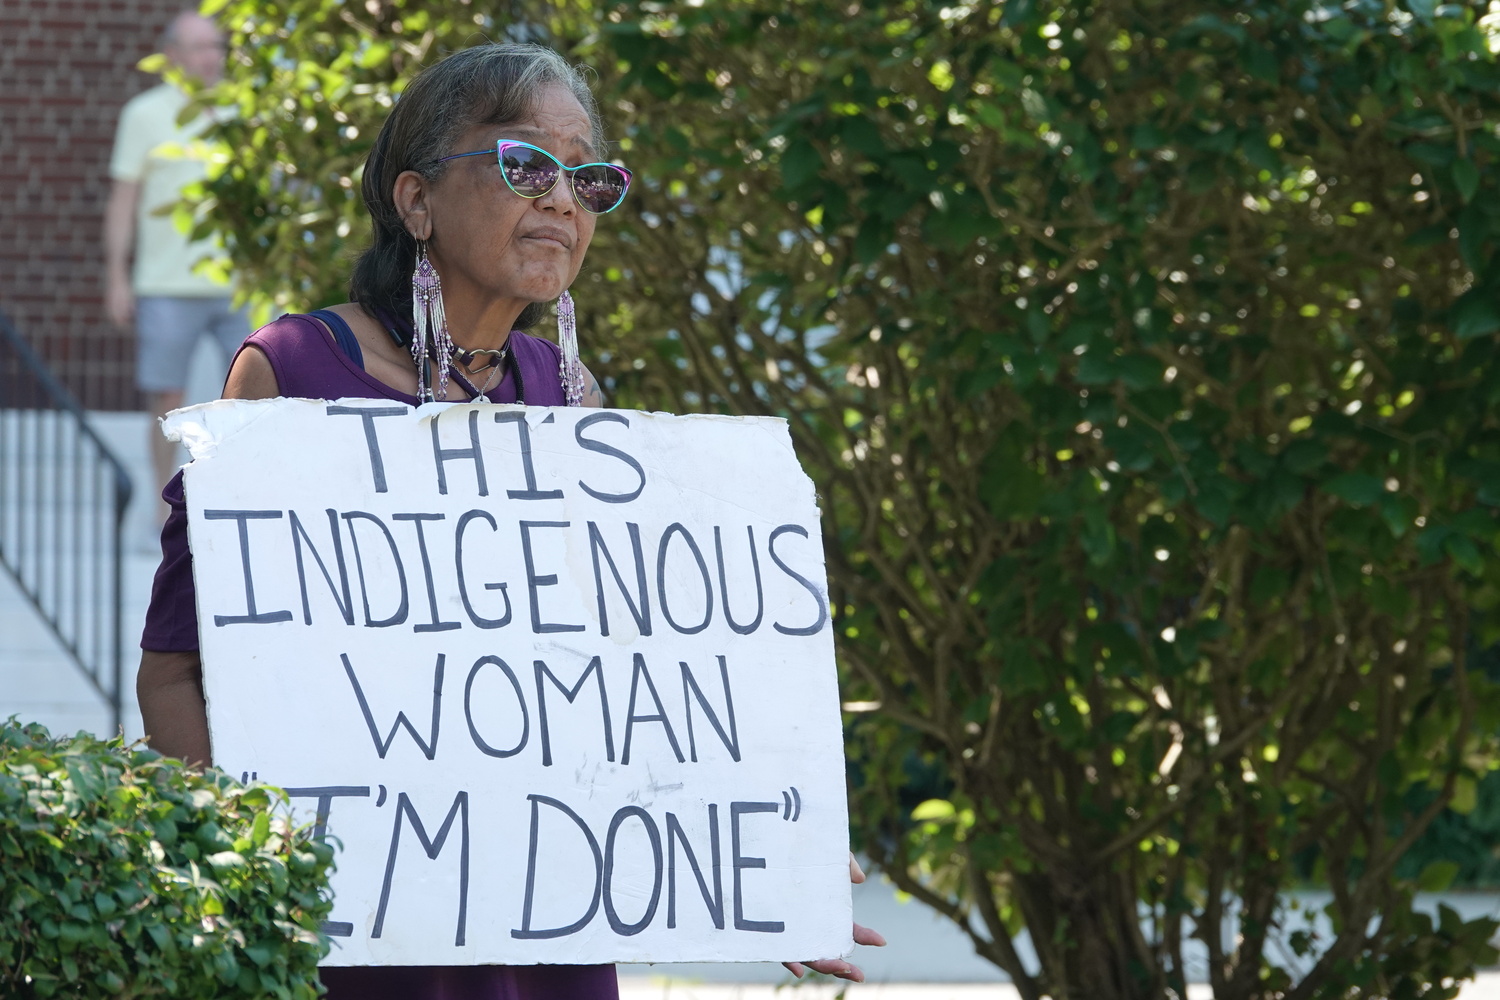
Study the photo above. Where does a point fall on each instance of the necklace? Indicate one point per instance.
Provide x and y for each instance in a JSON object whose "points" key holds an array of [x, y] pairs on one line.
{"points": [[465, 360], [480, 395]]}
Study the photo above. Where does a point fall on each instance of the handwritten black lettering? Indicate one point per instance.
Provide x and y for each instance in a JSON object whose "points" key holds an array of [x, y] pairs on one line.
{"points": [[742, 863], [760, 594], [479, 741], [242, 518], [807, 584], [463, 588], [631, 718], [368, 415], [435, 625], [676, 835], [596, 668], [526, 931], [534, 581], [599, 447], [640, 609], [731, 739], [300, 535], [359, 565], [527, 469], [429, 746], [325, 795], [661, 579], [432, 848], [619, 926], [441, 456]]}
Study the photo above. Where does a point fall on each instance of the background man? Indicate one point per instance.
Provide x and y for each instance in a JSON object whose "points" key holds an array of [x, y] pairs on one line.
{"points": [[170, 305]]}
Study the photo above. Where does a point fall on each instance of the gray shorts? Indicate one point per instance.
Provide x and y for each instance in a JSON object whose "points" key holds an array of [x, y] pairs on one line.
{"points": [[167, 330]]}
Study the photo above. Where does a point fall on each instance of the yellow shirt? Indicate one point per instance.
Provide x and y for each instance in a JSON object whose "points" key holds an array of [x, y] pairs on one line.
{"points": [[151, 149]]}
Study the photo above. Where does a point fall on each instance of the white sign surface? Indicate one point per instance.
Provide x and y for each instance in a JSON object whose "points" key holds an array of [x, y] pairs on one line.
{"points": [[559, 681]]}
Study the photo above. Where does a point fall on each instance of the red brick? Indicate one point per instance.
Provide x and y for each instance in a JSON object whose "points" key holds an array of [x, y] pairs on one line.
{"points": [[66, 68]]}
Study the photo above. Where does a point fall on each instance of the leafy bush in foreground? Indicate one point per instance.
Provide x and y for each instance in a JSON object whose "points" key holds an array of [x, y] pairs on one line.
{"points": [[124, 875]]}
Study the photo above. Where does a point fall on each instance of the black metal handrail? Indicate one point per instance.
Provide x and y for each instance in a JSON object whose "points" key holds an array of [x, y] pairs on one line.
{"points": [[63, 495]]}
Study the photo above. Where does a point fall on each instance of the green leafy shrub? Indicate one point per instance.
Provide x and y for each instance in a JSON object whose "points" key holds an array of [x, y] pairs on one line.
{"points": [[124, 875]]}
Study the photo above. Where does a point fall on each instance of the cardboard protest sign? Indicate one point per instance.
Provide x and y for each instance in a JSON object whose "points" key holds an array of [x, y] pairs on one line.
{"points": [[560, 681]]}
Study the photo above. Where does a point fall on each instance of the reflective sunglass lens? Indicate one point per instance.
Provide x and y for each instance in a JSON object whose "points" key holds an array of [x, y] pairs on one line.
{"points": [[599, 188], [529, 173]]}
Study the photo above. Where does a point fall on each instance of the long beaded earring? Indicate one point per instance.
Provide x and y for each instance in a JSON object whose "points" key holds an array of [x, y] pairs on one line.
{"points": [[430, 324], [569, 367]]}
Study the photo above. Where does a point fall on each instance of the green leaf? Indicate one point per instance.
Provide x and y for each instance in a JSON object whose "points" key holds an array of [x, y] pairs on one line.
{"points": [[861, 135], [1465, 795], [1358, 488], [799, 164], [1473, 230], [1463, 551], [1475, 314], [1466, 178], [260, 830], [1017, 12], [872, 238], [373, 54], [934, 809], [1437, 876]]}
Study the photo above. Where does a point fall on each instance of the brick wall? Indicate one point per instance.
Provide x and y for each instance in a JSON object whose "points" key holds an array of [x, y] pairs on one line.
{"points": [[66, 69]]}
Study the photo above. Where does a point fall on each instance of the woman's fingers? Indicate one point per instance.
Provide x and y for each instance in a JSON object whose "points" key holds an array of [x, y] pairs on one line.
{"points": [[838, 968]]}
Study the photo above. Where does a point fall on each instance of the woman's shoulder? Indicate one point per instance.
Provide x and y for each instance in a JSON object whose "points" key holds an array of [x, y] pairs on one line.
{"points": [[528, 343], [286, 330], [309, 358]]}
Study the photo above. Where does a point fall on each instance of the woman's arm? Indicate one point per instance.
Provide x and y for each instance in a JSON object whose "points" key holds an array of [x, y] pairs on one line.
{"points": [[169, 687], [592, 394], [251, 376]]}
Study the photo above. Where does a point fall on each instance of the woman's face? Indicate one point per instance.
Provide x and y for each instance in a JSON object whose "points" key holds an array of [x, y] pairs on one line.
{"points": [[487, 240]]}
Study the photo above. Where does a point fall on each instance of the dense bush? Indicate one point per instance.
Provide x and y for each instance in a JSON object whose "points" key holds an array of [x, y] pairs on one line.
{"points": [[123, 875]]}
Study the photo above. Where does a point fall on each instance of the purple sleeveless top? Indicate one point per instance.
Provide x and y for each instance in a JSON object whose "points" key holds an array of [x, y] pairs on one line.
{"points": [[308, 363]]}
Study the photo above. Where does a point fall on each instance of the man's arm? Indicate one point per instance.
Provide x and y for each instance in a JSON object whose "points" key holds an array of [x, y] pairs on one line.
{"points": [[119, 240], [169, 687]]}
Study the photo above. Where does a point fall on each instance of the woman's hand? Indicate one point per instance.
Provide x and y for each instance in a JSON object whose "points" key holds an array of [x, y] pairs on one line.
{"points": [[839, 967]]}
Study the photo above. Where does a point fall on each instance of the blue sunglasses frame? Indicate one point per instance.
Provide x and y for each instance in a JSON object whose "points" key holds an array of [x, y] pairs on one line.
{"points": [[499, 153]]}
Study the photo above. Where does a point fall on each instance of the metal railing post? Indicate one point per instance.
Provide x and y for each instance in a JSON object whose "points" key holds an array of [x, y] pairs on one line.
{"points": [[67, 553]]}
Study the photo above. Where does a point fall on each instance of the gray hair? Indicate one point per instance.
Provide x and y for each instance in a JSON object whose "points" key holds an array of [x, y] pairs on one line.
{"points": [[492, 84], [168, 36]]}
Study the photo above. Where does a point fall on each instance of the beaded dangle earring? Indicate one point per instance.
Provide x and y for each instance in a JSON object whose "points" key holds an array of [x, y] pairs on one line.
{"points": [[430, 323], [569, 367]]}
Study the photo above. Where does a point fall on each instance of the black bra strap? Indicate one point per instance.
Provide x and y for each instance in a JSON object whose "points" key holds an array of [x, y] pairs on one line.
{"points": [[342, 335]]}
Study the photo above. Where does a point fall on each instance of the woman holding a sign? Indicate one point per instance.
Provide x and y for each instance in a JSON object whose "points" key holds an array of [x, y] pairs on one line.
{"points": [[484, 187]]}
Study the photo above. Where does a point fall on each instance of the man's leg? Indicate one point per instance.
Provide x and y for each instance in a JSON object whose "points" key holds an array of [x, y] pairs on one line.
{"points": [[166, 330], [163, 452], [230, 327]]}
